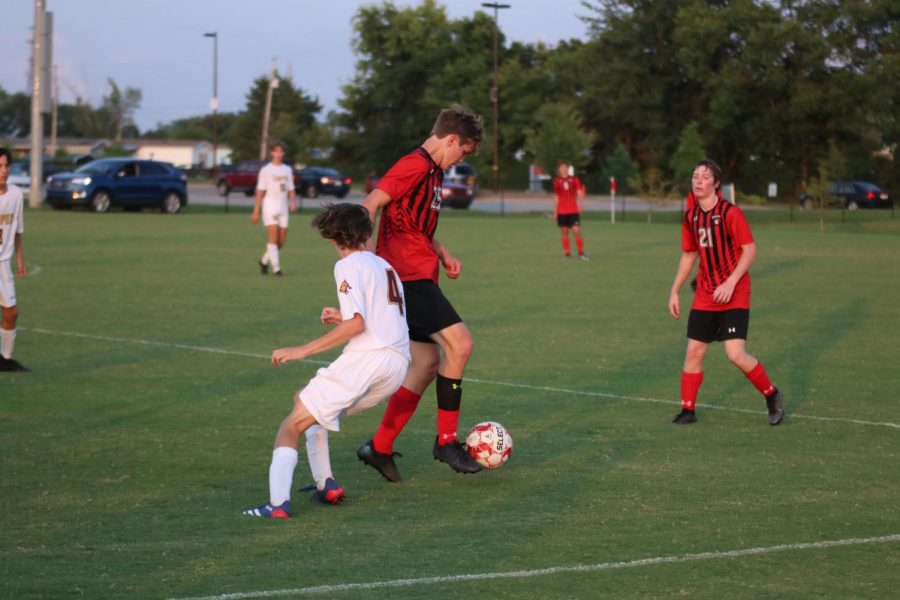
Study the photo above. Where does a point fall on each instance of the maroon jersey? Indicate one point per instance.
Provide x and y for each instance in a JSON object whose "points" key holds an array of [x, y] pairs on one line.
{"points": [[566, 189], [718, 235], [409, 220]]}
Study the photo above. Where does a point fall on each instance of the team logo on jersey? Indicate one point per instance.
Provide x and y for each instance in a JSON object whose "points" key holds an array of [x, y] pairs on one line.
{"points": [[345, 287], [716, 219], [436, 199]]}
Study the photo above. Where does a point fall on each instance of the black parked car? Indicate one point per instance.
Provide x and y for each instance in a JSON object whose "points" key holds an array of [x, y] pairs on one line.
{"points": [[853, 195], [126, 182], [315, 181]]}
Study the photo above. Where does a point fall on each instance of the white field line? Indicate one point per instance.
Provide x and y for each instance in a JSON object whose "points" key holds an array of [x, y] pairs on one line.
{"points": [[643, 562], [540, 388]]}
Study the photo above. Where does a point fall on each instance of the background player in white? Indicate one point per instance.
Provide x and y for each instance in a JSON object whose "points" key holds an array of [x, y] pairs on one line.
{"points": [[12, 226], [274, 187], [371, 319]]}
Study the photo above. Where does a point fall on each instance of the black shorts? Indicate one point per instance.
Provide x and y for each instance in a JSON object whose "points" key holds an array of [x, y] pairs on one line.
{"points": [[427, 310], [568, 220], [718, 325]]}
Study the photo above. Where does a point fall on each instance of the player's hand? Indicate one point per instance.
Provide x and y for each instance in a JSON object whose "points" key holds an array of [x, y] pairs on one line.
{"points": [[331, 316], [724, 292], [452, 266], [254, 218], [286, 355], [23, 270], [674, 305], [293, 206]]}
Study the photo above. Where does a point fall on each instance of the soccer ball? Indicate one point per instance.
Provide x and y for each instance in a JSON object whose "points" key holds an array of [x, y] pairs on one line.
{"points": [[490, 444]]}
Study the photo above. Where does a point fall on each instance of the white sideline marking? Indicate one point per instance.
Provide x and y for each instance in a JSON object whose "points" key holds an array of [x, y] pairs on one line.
{"points": [[643, 562], [525, 386]]}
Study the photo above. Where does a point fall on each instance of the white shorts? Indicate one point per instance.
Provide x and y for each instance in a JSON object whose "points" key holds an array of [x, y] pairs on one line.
{"points": [[272, 217], [7, 285], [352, 383]]}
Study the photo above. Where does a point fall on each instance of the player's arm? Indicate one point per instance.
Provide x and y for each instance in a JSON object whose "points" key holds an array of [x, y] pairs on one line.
{"points": [[580, 196], [452, 265], [20, 258], [723, 293], [259, 198], [376, 200], [685, 266], [292, 196], [341, 334]]}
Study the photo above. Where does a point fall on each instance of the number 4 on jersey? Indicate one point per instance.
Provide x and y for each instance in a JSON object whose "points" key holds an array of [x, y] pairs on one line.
{"points": [[394, 294]]}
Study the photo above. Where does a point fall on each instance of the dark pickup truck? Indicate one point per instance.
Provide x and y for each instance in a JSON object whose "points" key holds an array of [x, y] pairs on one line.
{"points": [[242, 178]]}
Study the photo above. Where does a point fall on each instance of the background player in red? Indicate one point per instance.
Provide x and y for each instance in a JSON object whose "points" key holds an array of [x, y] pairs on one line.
{"points": [[409, 197], [717, 232], [567, 209]]}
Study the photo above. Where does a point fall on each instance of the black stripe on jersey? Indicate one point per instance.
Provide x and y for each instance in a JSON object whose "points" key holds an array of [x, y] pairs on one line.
{"points": [[727, 250]]}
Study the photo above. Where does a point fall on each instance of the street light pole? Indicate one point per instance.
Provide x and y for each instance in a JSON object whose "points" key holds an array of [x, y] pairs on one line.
{"points": [[495, 96], [273, 83], [214, 101]]}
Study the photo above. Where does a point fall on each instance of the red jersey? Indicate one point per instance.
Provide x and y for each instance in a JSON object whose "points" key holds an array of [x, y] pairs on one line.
{"points": [[409, 220], [566, 189], [718, 235]]}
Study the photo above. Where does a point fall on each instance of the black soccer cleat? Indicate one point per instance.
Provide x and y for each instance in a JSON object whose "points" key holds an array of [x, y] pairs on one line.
{"points": [[454, 454], [12, 365], [263, 268], [278, 273], [685, 417], [775, 406], [383, 463]]}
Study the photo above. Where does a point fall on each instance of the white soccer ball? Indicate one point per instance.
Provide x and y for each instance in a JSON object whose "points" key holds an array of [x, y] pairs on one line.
{"points": [[490, 444]]}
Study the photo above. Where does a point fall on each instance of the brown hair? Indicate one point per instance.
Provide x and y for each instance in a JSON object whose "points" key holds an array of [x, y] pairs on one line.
{"points": [[713, 167], [462, 122], [347, 224]]}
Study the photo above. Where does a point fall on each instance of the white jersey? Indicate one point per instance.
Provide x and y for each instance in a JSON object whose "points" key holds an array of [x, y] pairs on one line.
{"points": [[276, 182], [367, 285], [11, 221]]}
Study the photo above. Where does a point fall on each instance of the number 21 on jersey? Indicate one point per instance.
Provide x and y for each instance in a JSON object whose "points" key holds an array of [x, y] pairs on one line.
{"points": [[704, 237], [395, 296]]}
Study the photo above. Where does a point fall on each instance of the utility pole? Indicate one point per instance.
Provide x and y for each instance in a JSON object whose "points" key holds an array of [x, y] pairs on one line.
{"points": [[273, 83], [54, 116], [495, 94], [37, 122], [214, 101]]}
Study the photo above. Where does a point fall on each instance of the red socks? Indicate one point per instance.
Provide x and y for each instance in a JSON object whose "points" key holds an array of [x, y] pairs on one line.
{"points": [[690, 385], [760, 380], [579, 241], [400, 408], [447, 423], [565, 243]]}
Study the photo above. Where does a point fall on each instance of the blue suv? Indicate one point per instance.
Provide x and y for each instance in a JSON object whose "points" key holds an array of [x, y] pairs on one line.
{"points": [[126, 182]]}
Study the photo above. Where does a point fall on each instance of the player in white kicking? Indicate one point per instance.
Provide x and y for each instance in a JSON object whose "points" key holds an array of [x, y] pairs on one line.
{"points": [[371, 320], [11, 228], [274, 188]]}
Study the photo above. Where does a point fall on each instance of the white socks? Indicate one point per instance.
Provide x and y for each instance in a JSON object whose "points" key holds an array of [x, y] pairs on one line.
{"points": [[317, 452], [281, 474], [7, 341], [272, 256]]}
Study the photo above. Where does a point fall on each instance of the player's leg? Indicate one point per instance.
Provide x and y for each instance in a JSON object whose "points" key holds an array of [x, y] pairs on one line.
{"points": [[753, 370], [8, 322], [325, 489], [564, 233], [702, 328], [284, 460], [579, 241], [379, 451], [456, 344], [272, 247]]}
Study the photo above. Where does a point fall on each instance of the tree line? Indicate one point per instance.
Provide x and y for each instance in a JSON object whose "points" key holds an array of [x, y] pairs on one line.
{"points": [[779, 91]]}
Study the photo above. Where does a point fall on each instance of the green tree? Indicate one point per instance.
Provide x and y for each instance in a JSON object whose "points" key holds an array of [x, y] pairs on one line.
{"points": [[620, 166], [558, 135], [293, 114], [119, 107], [15, 114], [690, 150]]}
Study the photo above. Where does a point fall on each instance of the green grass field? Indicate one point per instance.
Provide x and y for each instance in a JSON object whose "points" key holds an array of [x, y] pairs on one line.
{"points": [[146, 425]]}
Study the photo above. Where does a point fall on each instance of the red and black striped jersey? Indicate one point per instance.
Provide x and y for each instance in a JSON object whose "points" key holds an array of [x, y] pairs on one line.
{"points": [[718, 235], [566, 190], [409, 220]]}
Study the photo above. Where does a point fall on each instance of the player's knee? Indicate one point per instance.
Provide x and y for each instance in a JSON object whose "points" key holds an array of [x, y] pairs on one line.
{"points": [[738, 356], [10, 315]]}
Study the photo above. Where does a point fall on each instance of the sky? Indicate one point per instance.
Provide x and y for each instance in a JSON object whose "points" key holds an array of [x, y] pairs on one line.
{"points": [[158, 46]]}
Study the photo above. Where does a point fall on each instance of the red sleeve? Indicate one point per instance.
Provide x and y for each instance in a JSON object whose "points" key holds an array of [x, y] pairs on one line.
{"points": [[556, 185], [405, 173], [688, 243], [738, 227]]}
